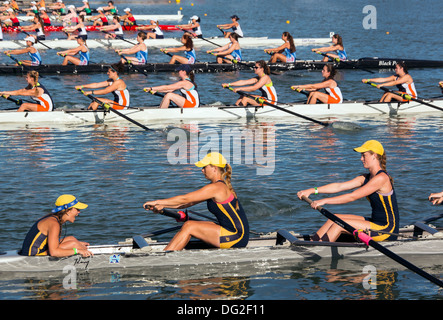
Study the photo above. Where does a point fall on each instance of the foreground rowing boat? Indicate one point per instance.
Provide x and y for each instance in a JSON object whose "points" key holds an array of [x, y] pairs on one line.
{"points": [[142, 252], [160, 43], [367, 63], [218, 112]]}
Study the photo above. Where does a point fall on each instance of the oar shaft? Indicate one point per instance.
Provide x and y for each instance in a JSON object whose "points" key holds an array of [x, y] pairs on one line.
{"points": [[343, 61], [368, 240], [261, 100], [115, 111]]}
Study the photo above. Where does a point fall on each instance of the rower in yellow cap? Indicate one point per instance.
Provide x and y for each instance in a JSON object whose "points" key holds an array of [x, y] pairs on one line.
{"points": [[43, 237], [377, 186], [232, 230]]}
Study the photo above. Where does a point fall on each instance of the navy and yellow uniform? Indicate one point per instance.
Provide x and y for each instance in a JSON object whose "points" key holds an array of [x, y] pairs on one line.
{"points": [[385, 215], [35, 243], [233, 222]]}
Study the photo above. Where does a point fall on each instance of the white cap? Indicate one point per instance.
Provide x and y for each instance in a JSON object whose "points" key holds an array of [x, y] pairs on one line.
{"points": [[10, 10], [60, 1], [5, 2], [33, 2], [127, 9], [71, 6], [194, 18], [32, 39], [84, 1], [99, 9]]}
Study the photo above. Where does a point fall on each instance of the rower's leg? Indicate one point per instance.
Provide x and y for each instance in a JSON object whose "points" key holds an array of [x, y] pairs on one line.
{"points": [[330, 231], [172, 97], [28, 107], [206, 231]]}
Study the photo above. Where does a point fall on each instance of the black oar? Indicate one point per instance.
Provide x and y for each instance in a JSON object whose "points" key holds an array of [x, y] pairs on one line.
{"points": [[18, 102], [405, 96], [201, 37], [118, 37], [129, 62], [36, 40], [108, 107], [234, 61], [343, 61], [368, 241], [337, 125]]}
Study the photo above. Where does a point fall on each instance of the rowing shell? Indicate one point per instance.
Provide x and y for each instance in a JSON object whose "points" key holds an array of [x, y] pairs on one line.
{"points": [[141, 252], [218, 113], [142, 17], [198, 67], [160, 43], [164, 27]]}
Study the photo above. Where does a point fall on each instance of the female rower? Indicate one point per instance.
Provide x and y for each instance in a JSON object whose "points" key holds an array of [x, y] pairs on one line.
{"points": [[376, 185], [262, 82], [113, 85], [85, 10], [402, 79], [337, 47], [194, 26], [36, 91], [235, 26], [189, 97], [44, 236], [82, 50], [44, 16], [128, 19], [436, 198], [101, 19], [112, 10], [59, 8], [115, 26], [284, 53], [79, 27], [12, 17], [154, 31], [140, 50], [333, 93], [229, 52], [35, 56], [188, 48], [233, 228], [37, 26], [71, 17]]}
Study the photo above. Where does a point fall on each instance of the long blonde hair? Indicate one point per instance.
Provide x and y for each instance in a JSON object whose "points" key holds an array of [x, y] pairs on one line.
{"points": [[226, 176]]}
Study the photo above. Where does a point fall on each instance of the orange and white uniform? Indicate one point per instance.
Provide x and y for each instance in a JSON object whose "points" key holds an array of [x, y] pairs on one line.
{"points": [[335, 95], [409, 89], [44, 101], [269, 93], [191, 96], [121, 97]]}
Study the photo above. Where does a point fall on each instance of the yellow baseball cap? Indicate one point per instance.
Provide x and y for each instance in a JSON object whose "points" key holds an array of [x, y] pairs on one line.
{"points": [[371, 145], [214, 158], [67, 201]]}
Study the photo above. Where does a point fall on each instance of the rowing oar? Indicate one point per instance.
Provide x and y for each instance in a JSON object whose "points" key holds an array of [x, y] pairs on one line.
{"points": [[370, 242], [201, 37], [343, 61], [337, 124], [129, 62], [235, 61], [36, 40], [108, 107], [118, 37], [404, 95], [18, 102], [302, 91]]}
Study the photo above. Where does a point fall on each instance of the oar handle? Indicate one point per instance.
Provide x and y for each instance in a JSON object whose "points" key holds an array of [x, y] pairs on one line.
{"points": [[155, 93], [302, 91]]}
